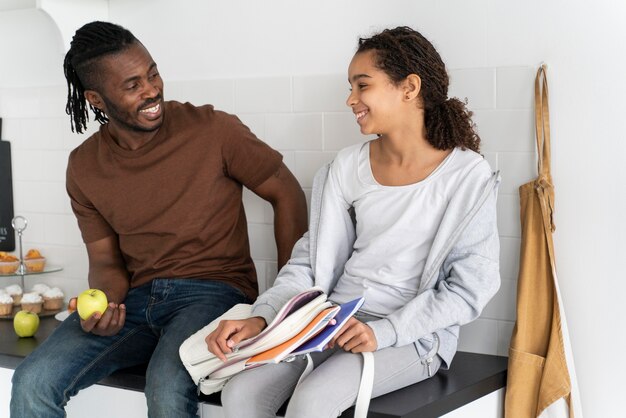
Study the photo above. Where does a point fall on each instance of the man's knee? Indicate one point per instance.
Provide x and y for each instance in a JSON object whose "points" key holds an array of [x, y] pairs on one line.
{"points": [[169, 396], [29, 379], [166, 391], [33, 392]]}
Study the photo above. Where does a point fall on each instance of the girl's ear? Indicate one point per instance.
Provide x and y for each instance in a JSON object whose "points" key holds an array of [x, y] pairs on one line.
{"points": [[94, 99], [412, 86]]}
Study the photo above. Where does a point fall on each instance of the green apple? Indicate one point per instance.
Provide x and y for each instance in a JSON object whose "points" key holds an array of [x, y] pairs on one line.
{"points": [[91, 301], [25, 323]]}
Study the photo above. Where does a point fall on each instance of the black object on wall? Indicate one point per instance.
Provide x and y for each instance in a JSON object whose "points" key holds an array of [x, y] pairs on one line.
{"points": [[7, 234]]}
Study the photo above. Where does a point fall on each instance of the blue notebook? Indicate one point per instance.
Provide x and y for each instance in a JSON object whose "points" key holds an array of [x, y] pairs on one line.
{"points": [[320, 341]]}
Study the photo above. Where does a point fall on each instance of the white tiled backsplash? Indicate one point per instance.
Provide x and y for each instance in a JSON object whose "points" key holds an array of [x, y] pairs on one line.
{"points": [[304, 117]]}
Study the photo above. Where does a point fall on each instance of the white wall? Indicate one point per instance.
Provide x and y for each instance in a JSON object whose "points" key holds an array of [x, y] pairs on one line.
{"points": [[281, 66]]}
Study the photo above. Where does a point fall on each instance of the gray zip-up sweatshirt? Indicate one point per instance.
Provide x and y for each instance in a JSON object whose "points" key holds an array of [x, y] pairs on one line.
{"points": [[460, 276]]}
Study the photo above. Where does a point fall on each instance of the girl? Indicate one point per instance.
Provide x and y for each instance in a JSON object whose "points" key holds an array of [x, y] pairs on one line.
{"points": [[407, 220]]}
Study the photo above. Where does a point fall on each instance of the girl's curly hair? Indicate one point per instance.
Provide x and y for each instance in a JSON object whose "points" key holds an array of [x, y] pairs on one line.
{"points": [[403, 51]]}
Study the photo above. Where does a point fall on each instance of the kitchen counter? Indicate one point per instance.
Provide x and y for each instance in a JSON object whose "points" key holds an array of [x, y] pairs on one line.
{"points": [[471, 377], [13, 349]]}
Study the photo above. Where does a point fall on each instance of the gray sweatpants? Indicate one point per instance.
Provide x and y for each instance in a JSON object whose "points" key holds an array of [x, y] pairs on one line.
{"points": [[330, 389]]}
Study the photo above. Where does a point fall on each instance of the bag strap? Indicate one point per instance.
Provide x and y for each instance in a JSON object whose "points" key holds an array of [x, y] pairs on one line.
{"points": [[542, 122], [365, 387]]}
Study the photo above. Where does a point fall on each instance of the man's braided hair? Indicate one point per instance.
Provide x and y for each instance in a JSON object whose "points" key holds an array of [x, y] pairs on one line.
{"points": [[90, 42]]}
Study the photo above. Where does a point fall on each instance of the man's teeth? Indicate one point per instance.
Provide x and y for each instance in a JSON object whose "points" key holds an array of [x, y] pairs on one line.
{"points": [[152, 109]]}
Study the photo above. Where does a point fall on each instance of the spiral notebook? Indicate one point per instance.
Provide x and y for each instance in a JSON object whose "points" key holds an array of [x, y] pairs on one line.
{"points": [[314, 337]]}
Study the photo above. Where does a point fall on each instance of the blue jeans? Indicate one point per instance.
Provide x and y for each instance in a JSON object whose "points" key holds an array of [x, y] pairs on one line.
{"points": [[160, 315]]}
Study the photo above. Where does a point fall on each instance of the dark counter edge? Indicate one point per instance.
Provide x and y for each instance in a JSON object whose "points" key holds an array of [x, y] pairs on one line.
{"points": [[470, 377], [401, 403]]}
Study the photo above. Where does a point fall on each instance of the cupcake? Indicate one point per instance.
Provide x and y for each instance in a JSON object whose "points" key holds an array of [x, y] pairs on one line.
{"points": [[53, 299], [32, 302], [8, 263], [15, 291], [6, 304], [40, 288], [34, 261]]}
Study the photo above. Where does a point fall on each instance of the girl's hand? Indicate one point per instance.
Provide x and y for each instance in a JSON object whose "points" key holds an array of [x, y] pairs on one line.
{"points": [[355, 336], [229, 333]]}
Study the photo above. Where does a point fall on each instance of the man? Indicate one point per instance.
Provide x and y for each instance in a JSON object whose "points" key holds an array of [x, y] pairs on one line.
{"points": [[157, 194]]}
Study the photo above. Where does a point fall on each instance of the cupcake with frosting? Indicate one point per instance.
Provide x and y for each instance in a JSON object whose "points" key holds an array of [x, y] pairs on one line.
{"points": [[15, 291], [53, 299], [40, 288], [6, 304], [32, 302]]}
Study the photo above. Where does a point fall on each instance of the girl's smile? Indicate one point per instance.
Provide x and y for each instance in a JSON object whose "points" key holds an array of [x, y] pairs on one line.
{"points": [[374, 98], [360, 115]]}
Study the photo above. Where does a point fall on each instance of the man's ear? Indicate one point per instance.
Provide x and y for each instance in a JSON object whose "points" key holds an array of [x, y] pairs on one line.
{"points": [[94, 99], [412, 86]]}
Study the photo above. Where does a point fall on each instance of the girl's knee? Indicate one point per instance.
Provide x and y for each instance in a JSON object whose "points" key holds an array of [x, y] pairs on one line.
{"points": [[308, 404], [240, 400], [243, 397], [230, 396]]}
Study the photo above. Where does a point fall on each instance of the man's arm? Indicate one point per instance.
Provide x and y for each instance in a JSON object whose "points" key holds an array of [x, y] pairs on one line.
{"points": [[107, 270], [283, 191], [108, 273]]}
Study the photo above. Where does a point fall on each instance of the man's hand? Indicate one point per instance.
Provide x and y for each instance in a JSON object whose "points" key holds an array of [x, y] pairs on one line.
{"points": [[356, 337], [106, 324], [229, 333]]}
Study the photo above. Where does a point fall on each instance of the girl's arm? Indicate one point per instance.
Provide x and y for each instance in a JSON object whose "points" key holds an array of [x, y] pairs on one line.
{"points": [[329, 218]]}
